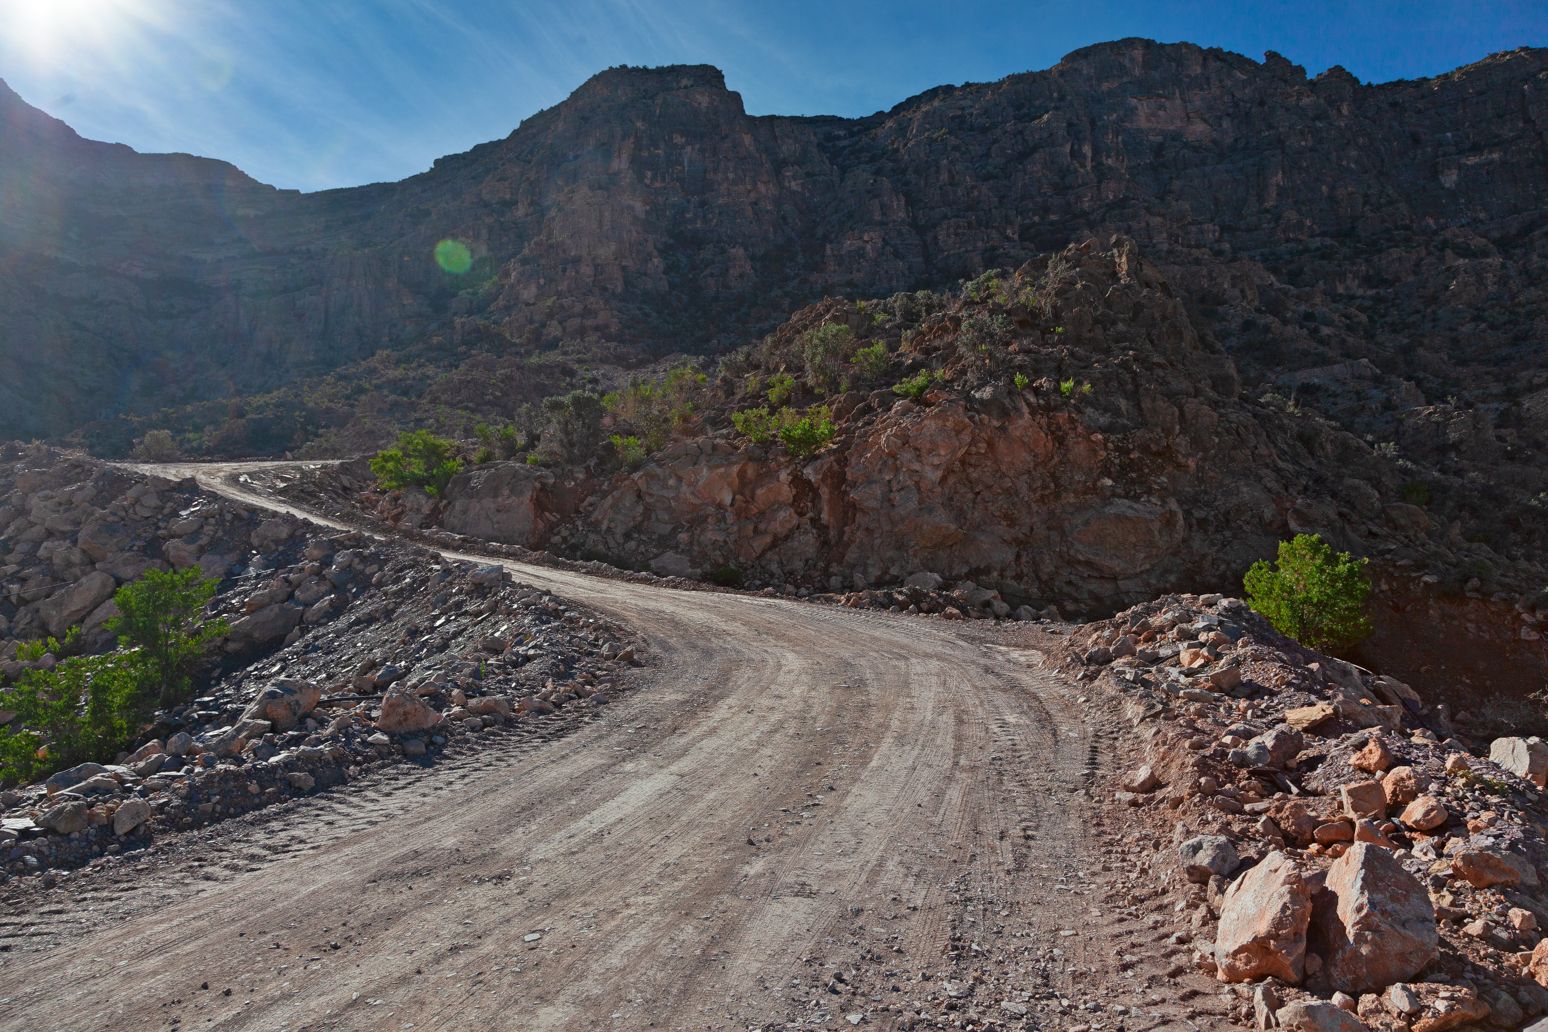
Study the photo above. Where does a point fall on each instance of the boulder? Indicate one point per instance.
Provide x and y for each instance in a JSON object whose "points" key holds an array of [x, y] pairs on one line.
{"points": [[129, 816], [65, 818], [1205, 856], [1276, 748], [1263, 923], [1140, 779], [490, 706], [404, 712], [924, 580], [1524, 757], [72, 776], [1401, 785], [269, 624], [1484, 865], [1317, 1016], [70, 606], [1364, 799], [1304, 718], [284, 703], [1537, 967], [1425, 813], [1373, 921], [1374, 757]]}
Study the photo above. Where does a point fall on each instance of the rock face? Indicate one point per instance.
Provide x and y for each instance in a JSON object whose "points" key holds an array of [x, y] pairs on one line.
{"points": [[1374, 923], [650, 211], [1263, 923], [1524, 757]]}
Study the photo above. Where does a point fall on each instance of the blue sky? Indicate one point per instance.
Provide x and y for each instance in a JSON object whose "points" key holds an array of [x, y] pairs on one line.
{"points": [[313, 94]]}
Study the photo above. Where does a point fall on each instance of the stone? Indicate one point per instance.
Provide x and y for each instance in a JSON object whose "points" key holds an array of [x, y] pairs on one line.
{"points": [[924, 581], [1456, 763], [179, 744], [1537, 967], [1276, 748], [1263, 923], [1317, 1016], [1205, 856], [1364, 799], [301, 781], [490, 706], [1425, 813], [284, 702], [1333, 831], [1402, 1001], [269, 624], [63, 780], [70, 606], [1305, 718], [1401, 785], [403, 712], [130, 815], [65, 818], [1484, 865], [1524, 757], [1374, 757], [1140, 779], [1521, 920], [1372, 921]]}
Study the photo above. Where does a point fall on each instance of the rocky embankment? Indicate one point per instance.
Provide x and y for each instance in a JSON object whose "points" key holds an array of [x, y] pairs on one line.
{"points": [[344, 652], [1076, 439], [1342, 853]]}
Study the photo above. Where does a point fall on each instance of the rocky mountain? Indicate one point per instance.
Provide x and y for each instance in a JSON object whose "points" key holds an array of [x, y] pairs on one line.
{"points": [[1377, 251]]}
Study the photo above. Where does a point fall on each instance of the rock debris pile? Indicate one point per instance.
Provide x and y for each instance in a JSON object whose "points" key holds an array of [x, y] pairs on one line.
{"points": [[344, 652], [1339, 854]]}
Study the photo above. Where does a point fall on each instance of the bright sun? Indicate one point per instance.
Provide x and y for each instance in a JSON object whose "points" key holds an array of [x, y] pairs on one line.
{"points": [[50, 28]]}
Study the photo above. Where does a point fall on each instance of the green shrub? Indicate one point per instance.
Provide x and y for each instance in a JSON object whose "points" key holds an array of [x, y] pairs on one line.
{"points": [[1067, 387], [872, 361], [157, 446], [1312, 594], [758, 425], [654, 411], [574, 431], [630, 451], [826, 351], [161, 617], [419, 459], [83, 708], [1021, 381], [499, 442], [806, 434], [781, 387], [726, 576], [915, 386], [984, 335]]}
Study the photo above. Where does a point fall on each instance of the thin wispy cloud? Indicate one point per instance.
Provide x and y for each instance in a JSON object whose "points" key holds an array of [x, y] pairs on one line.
{"points": [[313, 95]]}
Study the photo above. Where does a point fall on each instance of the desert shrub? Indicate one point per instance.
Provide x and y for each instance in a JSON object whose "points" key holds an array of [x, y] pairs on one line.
{"points": [[781, 386], [825, 351], [986, 287], [629, 449], [804, 434], [161, 618], [157, 446], [499, 442], [419, 459], [726, 576], [915, 386], [657, 410], [574, 430], [758, 425], [1021, 381], [83, 708], [984, 335], [871, 361], [1312, 594]]}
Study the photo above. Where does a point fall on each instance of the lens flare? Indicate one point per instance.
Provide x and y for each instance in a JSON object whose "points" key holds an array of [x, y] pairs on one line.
{"points": [[453, 256]]}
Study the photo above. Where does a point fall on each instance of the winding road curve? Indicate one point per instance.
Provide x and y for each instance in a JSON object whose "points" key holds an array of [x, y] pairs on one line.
{"points": [[807, 815]]}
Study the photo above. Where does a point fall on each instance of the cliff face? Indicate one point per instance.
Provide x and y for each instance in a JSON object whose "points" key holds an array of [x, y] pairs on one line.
{"points": [[1383, 244]]}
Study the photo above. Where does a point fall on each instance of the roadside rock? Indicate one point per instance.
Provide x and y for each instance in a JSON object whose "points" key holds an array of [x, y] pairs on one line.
{"points": [[1263, 923], [1373, 922], [65, 818], [1205, 856], [1524, 757], [284, 703], [129, 816], [404, 712], [1316, 1016]]}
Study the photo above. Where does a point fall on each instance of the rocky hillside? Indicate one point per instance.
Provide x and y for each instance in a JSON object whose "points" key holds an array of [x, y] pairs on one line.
{"points": [[344, 653], [1061, 434], [1374, 250], [1332, 843]]}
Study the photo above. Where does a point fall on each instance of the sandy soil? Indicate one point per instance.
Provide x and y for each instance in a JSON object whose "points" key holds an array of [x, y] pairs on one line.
{"points": [[809, 817]]}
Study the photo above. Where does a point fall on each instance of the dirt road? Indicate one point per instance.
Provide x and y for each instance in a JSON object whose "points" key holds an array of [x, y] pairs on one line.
{"points": [[807, 816]]}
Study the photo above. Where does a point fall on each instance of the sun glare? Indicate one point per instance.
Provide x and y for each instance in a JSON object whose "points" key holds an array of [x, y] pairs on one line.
{"points": [[46, 29]]}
